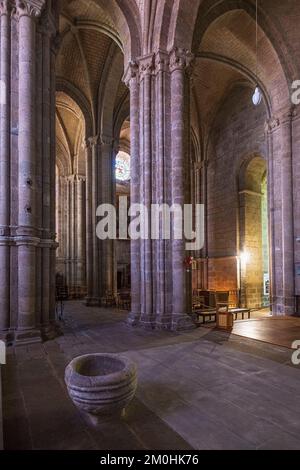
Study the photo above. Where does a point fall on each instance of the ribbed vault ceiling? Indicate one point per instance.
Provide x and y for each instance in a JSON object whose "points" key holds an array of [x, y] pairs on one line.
{"points": [[227, 56]]}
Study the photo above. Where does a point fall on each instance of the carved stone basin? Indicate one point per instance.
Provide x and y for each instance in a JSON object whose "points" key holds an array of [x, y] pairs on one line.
{"points": [[101, 385]]}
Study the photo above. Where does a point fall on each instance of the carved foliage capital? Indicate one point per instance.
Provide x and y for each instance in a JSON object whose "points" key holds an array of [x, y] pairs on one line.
{"points": [[146, 66], [92, 141], [107, 140], [283, 116], [161, 61], [272, 124], [31, 8], [6, 7], [180, 59], [131, 73]]}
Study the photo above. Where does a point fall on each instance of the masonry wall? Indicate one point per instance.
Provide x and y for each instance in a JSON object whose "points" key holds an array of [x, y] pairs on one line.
{"points": [[296, 191], [238, 134]]}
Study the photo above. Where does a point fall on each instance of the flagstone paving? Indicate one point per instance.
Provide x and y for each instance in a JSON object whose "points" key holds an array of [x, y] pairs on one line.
{"points": [[200, 389]]}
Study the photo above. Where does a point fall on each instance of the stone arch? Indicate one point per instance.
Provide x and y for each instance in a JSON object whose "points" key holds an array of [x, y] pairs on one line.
{"points": [[234, 48], [249, 77], [252, 170], [182, 23], [108, 91], [230, 90], [253, 233], [124, 21], [210, 11], [122, 115], [81, 101]]}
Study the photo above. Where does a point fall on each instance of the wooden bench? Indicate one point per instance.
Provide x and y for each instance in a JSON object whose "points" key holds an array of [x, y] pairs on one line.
{"points": [[212, 314], [243, 311]]}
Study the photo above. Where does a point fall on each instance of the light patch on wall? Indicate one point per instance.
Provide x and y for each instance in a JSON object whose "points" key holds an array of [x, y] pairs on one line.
{"points": [[2, 92]]}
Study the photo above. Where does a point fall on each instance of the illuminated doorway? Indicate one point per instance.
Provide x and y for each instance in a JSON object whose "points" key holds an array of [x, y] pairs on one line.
{"points": [[254, 235]]}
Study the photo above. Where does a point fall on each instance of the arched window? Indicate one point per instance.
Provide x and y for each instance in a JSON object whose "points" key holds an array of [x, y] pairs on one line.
{"points": [[123, 167]]}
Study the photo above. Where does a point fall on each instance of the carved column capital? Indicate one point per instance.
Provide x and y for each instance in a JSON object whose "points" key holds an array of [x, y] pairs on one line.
{"points": [[146, 66], [283, 116], [131, 73], [180, 59], [31, 8], [107, 140], [6, 8], [92, 141], [272, 124], [161, 61]]}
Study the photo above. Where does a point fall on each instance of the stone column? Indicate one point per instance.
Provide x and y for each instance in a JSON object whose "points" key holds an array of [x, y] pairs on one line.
{"points": [[132, 80], [146, 178], [162, 188], [271, 204], [92, 204], [89, 223], [5, 32], [72, 244], [26, 233], [54, 47], [287, 213], [80, 242], [281, 208], [179, 61], [27, 221], [107, 246], [159, 149], [47, 196]]}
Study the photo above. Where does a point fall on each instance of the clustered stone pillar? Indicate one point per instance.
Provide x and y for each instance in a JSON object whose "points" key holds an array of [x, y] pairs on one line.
{"points": [[179, 61], [159, 83], [107, 247], [73, 233], [134, 85], [92, 201], [287, 214], [89, 224], [100, 189], [27, 239], [5, 76], [281, 208]]}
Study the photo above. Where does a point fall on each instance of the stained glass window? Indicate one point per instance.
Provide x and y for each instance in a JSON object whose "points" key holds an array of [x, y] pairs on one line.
{"points": [[123, 166]]}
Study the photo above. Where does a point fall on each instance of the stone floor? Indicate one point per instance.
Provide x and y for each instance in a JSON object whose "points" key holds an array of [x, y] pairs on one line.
{"points": [[200, 389]]}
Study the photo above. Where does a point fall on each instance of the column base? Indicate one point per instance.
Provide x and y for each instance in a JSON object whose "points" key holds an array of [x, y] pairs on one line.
{"points": [[164, 323], [182, 322], [133, 319], [283, 306], [147, 322], [25, 337], [92, 302], [7, 336], [51, 332], [289, 306]]}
